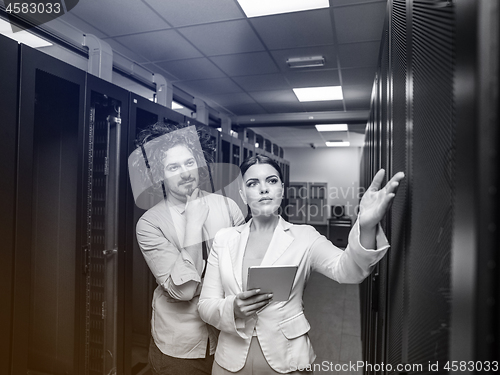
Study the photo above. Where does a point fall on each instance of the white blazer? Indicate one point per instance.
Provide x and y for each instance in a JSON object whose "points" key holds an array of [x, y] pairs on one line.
{"points": [[281, 327]]}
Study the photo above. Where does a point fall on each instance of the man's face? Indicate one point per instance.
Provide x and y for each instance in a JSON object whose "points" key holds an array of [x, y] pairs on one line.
{"points": [[181, 172]]}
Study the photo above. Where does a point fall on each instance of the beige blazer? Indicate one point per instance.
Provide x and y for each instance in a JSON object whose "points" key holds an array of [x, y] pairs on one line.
{"points": [[281, 327]]}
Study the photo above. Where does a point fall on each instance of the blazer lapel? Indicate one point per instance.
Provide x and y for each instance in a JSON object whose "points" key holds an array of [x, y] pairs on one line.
{"points": [[237, 250], [279, 243]]}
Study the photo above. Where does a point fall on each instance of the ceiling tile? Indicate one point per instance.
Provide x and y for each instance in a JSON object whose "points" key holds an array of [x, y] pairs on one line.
{"points": [[291, 30], [223, 38], [359, 23], [246, 109], [262, 82], [313, 78], [283, 107], [357, 55], [232, 99], [197, 44], [328, 52], [194, 12], [246, 64], [213, 86], [328, 105], [156, 69], [192, 69], [81, 25], [288, 136], [359, 76], [160, 45], [357, 97], [118, 17], [120, 48], [274, 96]]}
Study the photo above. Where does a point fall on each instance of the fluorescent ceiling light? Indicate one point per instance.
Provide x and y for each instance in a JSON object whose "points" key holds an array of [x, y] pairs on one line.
{"points": [[305, 62], [176, 105], [338, 144], [332, 128], [24, 36], [312, 94], [257, 8]]}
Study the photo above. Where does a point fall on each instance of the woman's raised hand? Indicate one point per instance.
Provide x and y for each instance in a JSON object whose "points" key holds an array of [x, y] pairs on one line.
{"points": [[376, 201], [249, 302]]}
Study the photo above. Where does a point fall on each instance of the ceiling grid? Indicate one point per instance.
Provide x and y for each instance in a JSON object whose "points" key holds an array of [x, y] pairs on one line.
{"points": [[237, 65]]}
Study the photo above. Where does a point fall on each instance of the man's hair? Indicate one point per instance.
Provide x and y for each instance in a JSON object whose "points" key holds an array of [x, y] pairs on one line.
{"points": [[162, 136]]}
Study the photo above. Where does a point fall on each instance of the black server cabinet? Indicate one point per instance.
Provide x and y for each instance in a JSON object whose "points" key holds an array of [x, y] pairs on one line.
{"points": [[226, 148], [435, 116], [248, 150], [49, 209], [475, 255], [8, 134], [106, 118], [213, 135], [140, 283], [432, 170]]}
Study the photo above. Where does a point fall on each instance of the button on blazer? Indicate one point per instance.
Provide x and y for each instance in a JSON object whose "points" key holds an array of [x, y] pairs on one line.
{"points": [[281, 327]]}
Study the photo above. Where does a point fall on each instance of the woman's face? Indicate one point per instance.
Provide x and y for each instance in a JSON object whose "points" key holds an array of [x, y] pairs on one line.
{"points": [[262, 189]]}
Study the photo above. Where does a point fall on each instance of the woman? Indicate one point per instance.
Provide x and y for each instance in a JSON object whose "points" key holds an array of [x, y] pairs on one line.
{"points": [[259, 336]]}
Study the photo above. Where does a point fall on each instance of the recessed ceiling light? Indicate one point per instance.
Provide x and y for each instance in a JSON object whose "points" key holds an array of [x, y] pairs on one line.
{"points": [[305, 62], [331, 127], [312, 94], [23, 36], [338, 144], [257, 8]]}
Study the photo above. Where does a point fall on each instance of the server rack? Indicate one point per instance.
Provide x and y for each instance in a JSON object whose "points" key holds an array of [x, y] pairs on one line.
{"points": [[248, 150], [49, 217], [8, 133], [212, 133], [106, 118], [226, 148], [433, 298], [140, 284], [76, 291], [248, 142]]}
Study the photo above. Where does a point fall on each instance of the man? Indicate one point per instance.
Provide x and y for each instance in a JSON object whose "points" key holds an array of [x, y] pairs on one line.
{"points": [[174, 237]]}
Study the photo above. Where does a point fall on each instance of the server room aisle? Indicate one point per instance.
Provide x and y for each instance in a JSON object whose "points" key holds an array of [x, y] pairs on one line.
{"points": [[334, 314]]}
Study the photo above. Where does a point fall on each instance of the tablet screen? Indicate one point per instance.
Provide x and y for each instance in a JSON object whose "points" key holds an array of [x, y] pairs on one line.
{"points": [[272, 279]]}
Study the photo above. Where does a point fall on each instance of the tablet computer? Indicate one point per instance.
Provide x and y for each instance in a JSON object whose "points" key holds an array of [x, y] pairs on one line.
{"points": [[277, 280]]}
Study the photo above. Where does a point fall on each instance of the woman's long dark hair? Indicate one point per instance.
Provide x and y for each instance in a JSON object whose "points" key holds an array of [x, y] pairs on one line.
{"points": [[260, 159]]}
